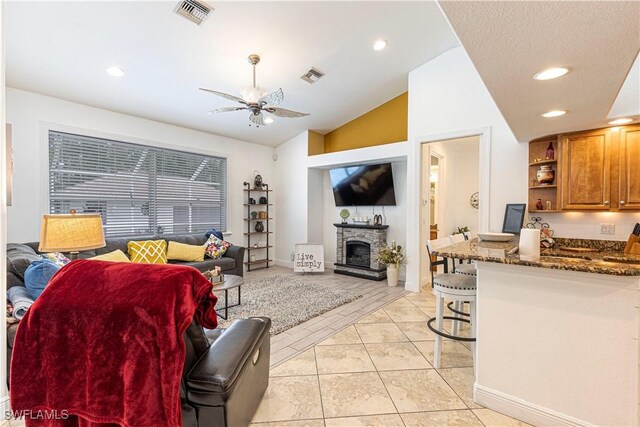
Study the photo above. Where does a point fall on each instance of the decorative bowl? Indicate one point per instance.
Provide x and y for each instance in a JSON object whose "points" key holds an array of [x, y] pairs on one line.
{"points": [[495, 237]]}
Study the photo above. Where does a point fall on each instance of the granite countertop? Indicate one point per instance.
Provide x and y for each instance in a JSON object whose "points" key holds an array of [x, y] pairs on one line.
{"points": [[604, 261]]}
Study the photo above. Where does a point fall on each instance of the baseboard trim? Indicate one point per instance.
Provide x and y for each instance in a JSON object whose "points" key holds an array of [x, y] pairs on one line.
{"points": [[281, 263], [521, 409]]}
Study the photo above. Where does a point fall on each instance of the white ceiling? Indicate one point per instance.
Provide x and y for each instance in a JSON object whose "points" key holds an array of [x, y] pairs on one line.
{"points": [[510, 41], [62, 49]]}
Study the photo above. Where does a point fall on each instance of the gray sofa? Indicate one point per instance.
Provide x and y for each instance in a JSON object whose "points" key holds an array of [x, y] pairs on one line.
{"points": [[230, 263], [19, 257]]}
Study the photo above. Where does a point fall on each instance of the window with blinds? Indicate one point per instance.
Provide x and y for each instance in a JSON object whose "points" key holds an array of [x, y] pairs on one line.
{"points": [[136, 188]]}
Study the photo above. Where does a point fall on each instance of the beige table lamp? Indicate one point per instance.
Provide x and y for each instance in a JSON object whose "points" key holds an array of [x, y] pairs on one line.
{"points": [[71, 233]]}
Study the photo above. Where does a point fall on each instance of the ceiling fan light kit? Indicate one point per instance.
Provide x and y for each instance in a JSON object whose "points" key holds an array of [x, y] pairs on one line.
{"points": [[257, 104]]}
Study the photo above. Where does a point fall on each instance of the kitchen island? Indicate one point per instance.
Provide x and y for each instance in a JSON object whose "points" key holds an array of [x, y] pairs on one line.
{"points": [[557, 337]]}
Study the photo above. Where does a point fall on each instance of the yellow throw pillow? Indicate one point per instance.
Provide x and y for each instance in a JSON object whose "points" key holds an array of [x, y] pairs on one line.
{"points": [[183, 252], [148, 251], [115, 256]]}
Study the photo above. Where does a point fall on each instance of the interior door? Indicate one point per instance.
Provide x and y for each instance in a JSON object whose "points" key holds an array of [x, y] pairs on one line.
{"points": [[630, 168], [586, 171]]}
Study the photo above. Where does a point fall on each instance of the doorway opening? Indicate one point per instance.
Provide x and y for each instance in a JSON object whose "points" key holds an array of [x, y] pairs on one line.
{"points": [[450, 179]]}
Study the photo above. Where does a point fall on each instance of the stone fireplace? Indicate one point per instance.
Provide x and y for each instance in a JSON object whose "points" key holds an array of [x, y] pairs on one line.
{"points": [[357, 250]]}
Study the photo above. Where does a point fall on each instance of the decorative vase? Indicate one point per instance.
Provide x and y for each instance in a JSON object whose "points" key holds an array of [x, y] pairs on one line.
{"points": [[550, 151], [259, 227], [539, 205], [392, 275], [545, 175], [263, 200], [257, 180]]}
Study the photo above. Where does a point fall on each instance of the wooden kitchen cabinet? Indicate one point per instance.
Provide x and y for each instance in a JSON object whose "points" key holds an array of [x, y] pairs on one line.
{"points": [[629, 147], [586, 170]]}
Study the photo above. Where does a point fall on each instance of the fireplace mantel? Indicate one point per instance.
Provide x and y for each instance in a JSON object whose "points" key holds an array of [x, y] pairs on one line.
{"points": [[373, 227]]}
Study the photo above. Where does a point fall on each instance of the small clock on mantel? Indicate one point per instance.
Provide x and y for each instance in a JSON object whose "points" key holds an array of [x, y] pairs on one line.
{"points": [[474, 200]]}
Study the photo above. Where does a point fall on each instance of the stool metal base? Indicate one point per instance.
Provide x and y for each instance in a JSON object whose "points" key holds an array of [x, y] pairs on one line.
{"points": [[461, 313], [446, 335]]}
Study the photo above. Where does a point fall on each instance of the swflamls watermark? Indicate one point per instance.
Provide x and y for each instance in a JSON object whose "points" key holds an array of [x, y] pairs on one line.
{"points": [[39, 414]]}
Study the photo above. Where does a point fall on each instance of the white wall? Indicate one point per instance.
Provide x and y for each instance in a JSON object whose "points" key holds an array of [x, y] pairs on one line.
{"points": [[458, 180], [291, 196], [568, 353], [446, 94], [28, 112], [586, 225], [4, 397]]}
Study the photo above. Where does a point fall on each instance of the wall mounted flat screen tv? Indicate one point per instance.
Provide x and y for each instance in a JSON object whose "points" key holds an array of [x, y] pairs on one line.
{"points": [[364, 185]]}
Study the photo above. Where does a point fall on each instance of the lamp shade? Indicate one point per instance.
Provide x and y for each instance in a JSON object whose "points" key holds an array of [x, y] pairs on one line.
{"points": [[71, 233]]}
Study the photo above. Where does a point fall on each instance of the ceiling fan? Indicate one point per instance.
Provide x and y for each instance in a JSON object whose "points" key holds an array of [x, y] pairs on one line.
{"points": [[253, 100]]}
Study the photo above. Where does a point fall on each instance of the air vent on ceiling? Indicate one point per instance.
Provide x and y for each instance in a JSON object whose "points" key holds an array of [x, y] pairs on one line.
{"points": [[312, 76], [193, 10]]}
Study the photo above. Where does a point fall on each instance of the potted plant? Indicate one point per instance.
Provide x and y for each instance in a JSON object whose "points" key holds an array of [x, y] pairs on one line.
{"points": [[392, 256], [464, 231]]}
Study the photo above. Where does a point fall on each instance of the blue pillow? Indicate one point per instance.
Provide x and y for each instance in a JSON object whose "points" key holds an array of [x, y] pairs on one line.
{"points": [[216, 233], [38, 275]]}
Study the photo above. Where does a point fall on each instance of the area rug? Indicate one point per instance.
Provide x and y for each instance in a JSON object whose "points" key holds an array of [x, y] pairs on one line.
{"points": [[288, 301]]}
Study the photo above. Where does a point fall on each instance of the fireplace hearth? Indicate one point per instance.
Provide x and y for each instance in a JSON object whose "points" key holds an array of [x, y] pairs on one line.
{"points": [[357, 250]]}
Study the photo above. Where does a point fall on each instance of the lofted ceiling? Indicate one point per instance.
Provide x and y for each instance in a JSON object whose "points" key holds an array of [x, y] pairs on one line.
{"points": [[62, 49], [627, 103], [510, 41]]}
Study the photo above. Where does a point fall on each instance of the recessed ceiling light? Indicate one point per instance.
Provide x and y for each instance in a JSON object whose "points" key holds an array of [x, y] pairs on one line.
{"points": [[268, 120], [554, 113], [115, 71], [551, 73], [379, 44], [620, 121]]}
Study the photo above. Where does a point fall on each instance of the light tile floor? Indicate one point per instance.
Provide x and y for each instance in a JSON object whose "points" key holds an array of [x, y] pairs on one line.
{"points": [[377, 372]]}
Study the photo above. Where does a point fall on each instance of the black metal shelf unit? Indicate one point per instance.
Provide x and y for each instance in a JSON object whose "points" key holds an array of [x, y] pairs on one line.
{"points": [[261, 253]]}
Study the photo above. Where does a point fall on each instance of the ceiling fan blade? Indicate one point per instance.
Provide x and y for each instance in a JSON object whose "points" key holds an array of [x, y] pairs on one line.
{"points": [[283, 112], [225, 95], [274, 98], [226, 109], [257, 119]]}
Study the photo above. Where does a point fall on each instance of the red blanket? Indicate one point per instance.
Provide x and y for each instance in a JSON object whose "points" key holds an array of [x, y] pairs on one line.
{"points": [[104, 343]]}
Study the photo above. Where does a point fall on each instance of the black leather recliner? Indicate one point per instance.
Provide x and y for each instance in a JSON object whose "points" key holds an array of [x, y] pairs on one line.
{"points": [[226, 372]]}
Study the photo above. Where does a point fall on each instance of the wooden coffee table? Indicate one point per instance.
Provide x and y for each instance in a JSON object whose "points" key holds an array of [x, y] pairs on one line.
{"points": [[230, 282]]}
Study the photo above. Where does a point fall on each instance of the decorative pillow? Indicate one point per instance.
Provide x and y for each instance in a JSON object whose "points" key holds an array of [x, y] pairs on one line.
{"points": [[19, 257], [38, 275], [182, 252], [215, 232], [115, 256], [148, 251], [57, 258], [215, 247]]}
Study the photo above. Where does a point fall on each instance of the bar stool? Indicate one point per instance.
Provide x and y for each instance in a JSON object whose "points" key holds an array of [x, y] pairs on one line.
{"points": [[456, 287], [467, 269]]}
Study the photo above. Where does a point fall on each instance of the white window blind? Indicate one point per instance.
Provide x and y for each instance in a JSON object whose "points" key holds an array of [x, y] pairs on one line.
{"points": [[137, 189]]}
